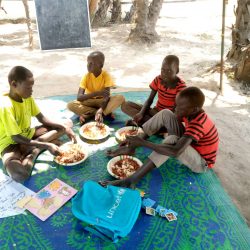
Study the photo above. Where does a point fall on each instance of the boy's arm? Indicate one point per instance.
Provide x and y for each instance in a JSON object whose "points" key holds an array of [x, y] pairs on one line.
{"points": [[46, 122], [164, 149], [99, 112], [148, 102], [43, 145], [106, 97], [139, 116], [81, 96]]}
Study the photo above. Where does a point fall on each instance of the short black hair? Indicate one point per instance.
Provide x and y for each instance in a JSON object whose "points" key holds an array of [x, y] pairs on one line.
{"points": [[194, 95], [99, 55], [173, 59], [19, 73]]}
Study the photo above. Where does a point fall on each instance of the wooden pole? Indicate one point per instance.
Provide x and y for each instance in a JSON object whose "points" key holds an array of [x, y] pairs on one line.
{"points": [[222, 45], [28, 21]]}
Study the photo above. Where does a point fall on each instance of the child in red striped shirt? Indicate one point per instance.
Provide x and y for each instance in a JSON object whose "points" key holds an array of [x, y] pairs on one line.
{"points": [[195, 144], [167, 85]]}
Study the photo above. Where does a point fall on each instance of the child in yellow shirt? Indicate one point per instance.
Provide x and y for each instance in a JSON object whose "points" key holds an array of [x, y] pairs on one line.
{"points": [[19, 143], [93, 98]]}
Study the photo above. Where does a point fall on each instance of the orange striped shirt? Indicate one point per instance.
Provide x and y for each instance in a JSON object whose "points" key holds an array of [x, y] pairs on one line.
{"points": [[166, 96], [205, 137]]}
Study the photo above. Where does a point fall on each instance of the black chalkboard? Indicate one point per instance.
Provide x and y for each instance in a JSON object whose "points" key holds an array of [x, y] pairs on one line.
{"points": [[63, 24]]}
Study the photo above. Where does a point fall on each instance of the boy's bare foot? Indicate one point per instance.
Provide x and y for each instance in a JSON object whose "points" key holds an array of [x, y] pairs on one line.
{"points": [[120, 183], [124, 150], [30, 159]]}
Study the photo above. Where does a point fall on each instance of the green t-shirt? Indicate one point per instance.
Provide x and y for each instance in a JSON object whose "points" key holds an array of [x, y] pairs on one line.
{"points": [[15, 119]]}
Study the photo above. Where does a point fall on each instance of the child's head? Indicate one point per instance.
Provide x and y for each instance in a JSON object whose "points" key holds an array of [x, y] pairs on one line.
{"points": [[21, 81], [189, 102], [95, 62], [169, 68]]}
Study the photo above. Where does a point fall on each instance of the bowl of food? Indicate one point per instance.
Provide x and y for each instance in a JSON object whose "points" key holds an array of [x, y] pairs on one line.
{"points": [[71, 154], [94, 131], [121, 133], [123, 166]]}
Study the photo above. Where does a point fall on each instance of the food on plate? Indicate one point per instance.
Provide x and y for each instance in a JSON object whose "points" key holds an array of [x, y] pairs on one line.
{"points": [[125, 133], [70, 153], [94, 130], [124, 167]]}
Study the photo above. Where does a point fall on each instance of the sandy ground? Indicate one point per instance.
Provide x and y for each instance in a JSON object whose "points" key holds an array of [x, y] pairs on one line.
{"points": [[189, 29]]}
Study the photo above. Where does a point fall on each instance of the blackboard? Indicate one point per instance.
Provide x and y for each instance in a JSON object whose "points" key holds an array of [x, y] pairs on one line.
{"points": [[63, 24]]}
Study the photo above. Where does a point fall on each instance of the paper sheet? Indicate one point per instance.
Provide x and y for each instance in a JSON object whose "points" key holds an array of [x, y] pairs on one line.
{"points": [[10, 193]]}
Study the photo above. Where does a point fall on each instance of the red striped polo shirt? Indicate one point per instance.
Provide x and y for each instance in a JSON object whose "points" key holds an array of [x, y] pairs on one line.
{"points": [[205, 137], [166, 96]]}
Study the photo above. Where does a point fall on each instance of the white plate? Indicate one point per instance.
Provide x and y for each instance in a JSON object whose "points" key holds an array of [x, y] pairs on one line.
{"points": [[67, 145], [94, 129], [119, 131], [112, 162]]}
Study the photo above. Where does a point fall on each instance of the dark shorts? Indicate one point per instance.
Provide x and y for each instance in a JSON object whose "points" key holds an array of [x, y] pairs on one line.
{"points": [[19, 152]]}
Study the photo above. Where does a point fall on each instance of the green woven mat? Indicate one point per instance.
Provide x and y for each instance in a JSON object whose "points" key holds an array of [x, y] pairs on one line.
{"points": [[207, 218]]}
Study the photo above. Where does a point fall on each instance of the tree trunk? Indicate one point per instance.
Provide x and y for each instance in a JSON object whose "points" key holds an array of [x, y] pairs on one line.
{"points": [[147, 17], [240, 50], [93, 4], [28, 21], [153, 14], [116, 16], [242, 71], [241, 29], [101, 13], [139, 32], [130, 15]]}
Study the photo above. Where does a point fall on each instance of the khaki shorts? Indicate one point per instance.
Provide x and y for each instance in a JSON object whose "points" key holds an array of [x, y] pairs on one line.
{"points": [[190, 157]]}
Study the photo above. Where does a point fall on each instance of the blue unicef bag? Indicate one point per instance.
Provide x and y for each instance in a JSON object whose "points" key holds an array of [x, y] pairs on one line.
{"points": [[110, 212]]}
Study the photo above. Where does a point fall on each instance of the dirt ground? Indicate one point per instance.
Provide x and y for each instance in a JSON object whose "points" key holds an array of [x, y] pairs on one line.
{"points": [[191, 30]]}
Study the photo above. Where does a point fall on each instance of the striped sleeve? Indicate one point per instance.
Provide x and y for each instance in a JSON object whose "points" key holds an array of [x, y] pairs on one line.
{"points": [[182, 85], [155, 84], [195, 128], [205, 136]]}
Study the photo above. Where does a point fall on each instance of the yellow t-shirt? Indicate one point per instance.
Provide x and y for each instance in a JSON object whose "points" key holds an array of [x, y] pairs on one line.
{"points": [[15, 119], [92, 84]]}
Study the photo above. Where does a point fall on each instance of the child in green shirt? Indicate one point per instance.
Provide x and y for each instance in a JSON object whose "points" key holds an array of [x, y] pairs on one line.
{"points": [[19, 143]]}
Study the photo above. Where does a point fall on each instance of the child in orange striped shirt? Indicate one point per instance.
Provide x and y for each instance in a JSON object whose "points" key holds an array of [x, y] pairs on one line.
{"points": [[195, 144], [167, 85]]}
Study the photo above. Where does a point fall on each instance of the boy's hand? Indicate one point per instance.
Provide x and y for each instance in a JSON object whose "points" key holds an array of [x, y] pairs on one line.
{"points": [[138, 117], [69, 132], [135, 141], [98, 116], [53, 149]]}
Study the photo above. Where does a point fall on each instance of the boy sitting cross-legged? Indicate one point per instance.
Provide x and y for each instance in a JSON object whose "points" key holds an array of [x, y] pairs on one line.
{"points": [[194, 144], [167, 85], [93, 98], [19, 143]]}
